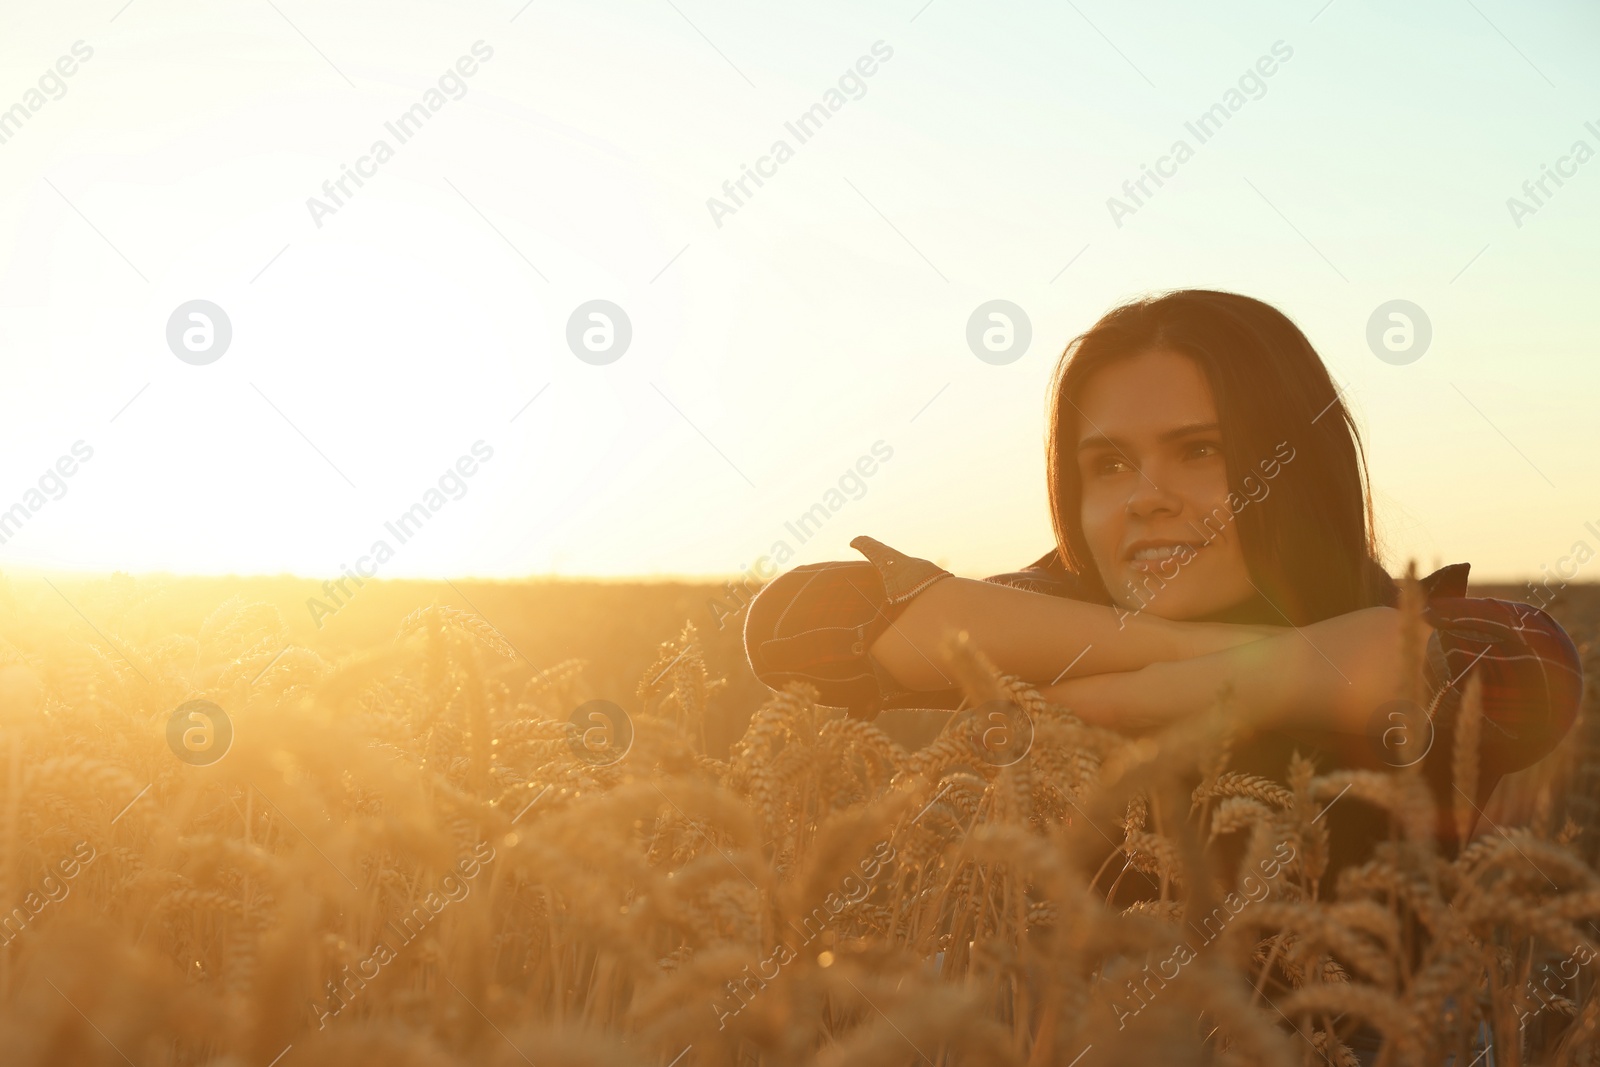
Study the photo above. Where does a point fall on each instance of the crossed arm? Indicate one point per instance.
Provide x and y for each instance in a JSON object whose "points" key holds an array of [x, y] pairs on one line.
{"points": [[1329, 676], [1138, 671]]}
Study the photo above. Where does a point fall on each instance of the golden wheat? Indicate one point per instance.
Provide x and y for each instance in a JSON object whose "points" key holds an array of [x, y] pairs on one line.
{"points": [[410, 856]]}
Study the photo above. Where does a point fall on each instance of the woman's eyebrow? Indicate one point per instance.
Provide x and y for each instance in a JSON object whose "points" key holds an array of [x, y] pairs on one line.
{"points": [[1101, 441]]}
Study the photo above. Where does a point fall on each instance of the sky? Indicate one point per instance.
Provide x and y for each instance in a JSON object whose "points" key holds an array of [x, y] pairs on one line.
{"points": [[423, 342]]}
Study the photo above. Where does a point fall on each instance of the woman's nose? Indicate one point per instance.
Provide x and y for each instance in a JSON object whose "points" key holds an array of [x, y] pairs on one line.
{"points": [[1147, 497]]}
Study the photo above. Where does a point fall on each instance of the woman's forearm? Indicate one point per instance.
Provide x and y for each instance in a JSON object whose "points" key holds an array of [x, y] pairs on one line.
{"points": [[1330, 676], [1037, 636]]}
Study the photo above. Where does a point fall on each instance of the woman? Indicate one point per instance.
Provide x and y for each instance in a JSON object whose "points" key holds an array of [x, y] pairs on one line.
{"points": [[1208, 494]]}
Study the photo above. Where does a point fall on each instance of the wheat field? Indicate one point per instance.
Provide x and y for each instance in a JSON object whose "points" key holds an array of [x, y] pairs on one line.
{"points": [[406, 842]]}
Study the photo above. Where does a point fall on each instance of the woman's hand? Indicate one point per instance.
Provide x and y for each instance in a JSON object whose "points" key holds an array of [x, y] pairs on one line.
{"points": [[1329, 676]]}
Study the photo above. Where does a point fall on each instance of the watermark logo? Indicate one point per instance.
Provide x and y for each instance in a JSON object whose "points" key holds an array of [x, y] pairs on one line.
{"points": [[52, 485], [605, 733], [1251, 85], [744, 987], [1254, 491], [1399, 332], [51, 82], [51, 890], [999, 332], [851, 485], [453, 888], [1005, 732], [451, 485], [1579, 958], [1142, 988], [199, 332], [337, 193], [1400, 732], [199, 733], [599, 332], [1566, 569], [1566, 167]]}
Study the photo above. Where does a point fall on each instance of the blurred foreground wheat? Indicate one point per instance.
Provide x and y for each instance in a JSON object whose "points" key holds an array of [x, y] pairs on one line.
{"points": [[403, 859]]}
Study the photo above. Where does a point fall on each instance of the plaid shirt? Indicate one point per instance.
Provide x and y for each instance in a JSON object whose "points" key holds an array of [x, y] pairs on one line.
{"points": [[815, 623]]}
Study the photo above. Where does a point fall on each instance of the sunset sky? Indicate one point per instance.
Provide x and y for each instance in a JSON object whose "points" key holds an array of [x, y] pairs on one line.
{"points": [[423, 317]]}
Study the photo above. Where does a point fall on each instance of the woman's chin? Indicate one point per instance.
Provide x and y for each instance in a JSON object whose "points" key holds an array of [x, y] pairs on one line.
{"points": [[1186, 606], [1171, 608]]}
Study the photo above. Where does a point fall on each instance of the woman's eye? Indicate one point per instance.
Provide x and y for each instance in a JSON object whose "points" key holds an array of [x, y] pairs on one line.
{"points": [[1211, 448], [1105, 464]]}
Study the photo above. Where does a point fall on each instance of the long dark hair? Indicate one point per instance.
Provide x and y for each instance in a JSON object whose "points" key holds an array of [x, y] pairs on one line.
{"points": [[1309, 544]]}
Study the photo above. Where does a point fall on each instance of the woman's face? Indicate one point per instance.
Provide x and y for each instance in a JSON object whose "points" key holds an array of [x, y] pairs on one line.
{"points": [[1155, 487]]}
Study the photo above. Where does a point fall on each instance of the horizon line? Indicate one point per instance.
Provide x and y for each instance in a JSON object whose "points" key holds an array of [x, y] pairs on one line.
{"points": [[659, 578]]}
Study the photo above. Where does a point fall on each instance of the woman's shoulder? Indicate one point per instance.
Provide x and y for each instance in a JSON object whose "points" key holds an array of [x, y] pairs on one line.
{"points": [[1530, 670], [1047, 574], [815, 622]]}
